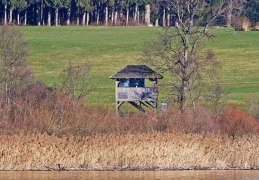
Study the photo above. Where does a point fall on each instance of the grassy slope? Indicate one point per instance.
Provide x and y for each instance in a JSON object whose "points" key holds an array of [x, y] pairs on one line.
{"points": [[111, 48]]}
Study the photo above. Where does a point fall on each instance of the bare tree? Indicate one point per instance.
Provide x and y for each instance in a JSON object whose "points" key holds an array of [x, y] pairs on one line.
{"points": [[75, 79], [14, 72], [178, 49]]}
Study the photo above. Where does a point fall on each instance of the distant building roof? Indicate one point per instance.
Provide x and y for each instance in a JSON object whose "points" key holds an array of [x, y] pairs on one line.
{"points": [[136, 71]]}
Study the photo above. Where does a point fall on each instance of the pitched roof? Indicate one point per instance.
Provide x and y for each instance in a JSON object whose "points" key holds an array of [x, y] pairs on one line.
{"points": [[136, 71]]}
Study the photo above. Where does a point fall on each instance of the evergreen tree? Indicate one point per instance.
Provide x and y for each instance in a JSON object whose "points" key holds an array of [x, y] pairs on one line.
{"points": [[87, 8], [251, 10]]}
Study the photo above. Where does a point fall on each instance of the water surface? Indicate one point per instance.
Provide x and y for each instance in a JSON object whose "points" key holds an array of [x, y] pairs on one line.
{"points": [[119, 175]]}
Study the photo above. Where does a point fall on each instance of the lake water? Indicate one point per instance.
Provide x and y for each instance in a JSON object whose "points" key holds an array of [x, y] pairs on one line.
{"points": [[119, 175]]}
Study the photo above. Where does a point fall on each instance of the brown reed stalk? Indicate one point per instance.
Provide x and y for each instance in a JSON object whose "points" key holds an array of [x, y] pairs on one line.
{"points": [[128, 151]]}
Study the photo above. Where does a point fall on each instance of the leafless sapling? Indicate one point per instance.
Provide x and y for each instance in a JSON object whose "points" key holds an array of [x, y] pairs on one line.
{"points": [[14, 71], [75, 79]]}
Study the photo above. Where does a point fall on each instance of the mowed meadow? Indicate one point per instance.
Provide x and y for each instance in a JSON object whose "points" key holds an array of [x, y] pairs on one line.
{"points": [[111, 48], [107, 48]]}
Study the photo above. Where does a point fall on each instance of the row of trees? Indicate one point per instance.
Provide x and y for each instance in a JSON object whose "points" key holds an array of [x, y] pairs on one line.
{"points": [[114, 12]]}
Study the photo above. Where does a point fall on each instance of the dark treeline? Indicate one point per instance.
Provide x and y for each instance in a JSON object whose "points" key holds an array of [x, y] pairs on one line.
{"points": [[115, 12]]}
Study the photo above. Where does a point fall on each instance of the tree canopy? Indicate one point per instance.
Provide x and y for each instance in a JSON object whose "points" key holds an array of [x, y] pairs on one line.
{"points": [[117, 12]]}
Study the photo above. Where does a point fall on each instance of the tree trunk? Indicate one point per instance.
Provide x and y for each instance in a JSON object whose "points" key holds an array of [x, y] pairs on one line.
{"points": [[112, 16], [7, 94], [138, 16], [135, 13], [164, 20], [185, 76], [168, 17], [229, 13], [56, 17], [84, 15], [98, 16], [38, 15], [183, 94], [87, 18], [106, 15], [68, 16], [49, 17], [25, 17], [127, 17], [41, 13], [147, 14], [5, 14], [156, 23], [98, 13], [121, 14], [18, 18], [11, 15], [184, 89], [78, 13], [115, 18]]}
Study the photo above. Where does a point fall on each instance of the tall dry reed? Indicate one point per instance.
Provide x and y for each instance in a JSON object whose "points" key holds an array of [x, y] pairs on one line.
{"points": [[128, 151]]}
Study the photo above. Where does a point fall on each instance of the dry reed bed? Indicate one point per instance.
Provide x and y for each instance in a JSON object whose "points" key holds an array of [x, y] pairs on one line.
{"points": [[129, 151]]}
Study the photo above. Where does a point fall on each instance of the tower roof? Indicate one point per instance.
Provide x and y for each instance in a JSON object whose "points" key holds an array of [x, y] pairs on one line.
{"points": [[136, 71]]}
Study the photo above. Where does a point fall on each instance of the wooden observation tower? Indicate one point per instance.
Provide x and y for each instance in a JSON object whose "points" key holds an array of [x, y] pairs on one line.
{"points": [[130, 87]]}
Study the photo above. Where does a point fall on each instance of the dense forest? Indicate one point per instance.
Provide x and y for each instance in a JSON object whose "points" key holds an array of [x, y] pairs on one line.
{"points": [[116, 12]]}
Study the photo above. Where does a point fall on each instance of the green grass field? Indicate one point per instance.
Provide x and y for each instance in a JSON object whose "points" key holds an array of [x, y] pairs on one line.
{"points": [[111, 48], [239, 54]]}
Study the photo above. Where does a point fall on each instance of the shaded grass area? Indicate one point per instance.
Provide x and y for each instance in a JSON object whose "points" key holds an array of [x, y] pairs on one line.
{"points": [[111, 48]]}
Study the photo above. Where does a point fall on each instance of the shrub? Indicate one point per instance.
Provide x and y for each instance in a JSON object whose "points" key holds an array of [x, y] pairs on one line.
{"points": [[191, 121], [237, 122], [242, 23], [51, 111], [54, 112], [256, 26]]}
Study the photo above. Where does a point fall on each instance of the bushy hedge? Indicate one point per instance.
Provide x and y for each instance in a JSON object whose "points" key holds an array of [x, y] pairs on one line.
{"points": [[42, 109], [238, 122]]}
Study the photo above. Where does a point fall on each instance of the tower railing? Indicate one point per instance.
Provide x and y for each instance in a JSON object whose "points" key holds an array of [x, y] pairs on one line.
{"points": [[136, 93]]}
